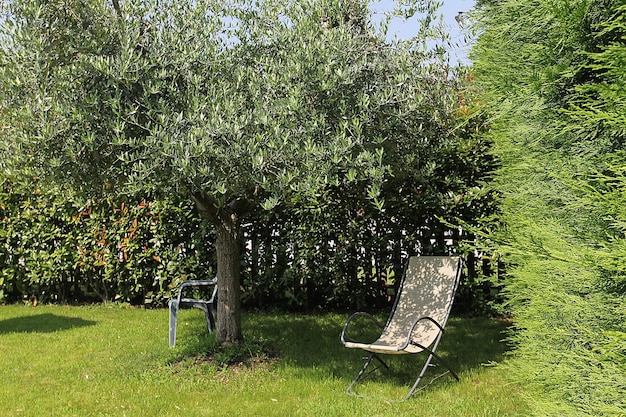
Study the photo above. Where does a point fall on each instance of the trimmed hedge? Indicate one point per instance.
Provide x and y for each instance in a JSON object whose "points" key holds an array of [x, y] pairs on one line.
{"points": [[57, 250], [346, 255]]}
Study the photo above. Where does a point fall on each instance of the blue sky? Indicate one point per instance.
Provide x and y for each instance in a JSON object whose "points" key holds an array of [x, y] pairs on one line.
{"points": [[449, 10]]}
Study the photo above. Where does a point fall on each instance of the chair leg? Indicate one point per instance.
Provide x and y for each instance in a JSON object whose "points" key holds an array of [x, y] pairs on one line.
{"points": [[361, 373], [419, 378], [211, 318], [173, 320], [425, 368], [444, 363], [373, 356], [208, 314]]}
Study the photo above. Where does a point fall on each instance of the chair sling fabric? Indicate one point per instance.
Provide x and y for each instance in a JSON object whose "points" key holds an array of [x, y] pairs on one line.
{"points": [[419, 316], [208, 306]]}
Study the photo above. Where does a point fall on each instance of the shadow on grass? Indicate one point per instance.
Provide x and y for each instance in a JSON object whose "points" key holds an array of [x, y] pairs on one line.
{"points": [[313, 342], [42, 323], [310, 345]]}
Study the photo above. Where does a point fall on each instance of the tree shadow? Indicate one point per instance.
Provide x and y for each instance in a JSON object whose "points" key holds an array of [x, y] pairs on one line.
{"points": [[313, 341], [42, 323], [469, 343]]}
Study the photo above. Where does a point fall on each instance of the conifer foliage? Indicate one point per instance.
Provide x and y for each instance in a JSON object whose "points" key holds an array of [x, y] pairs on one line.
{"points": [[551, 76]]}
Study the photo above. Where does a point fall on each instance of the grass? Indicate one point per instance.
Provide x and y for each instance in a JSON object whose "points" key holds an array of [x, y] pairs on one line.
{"points": [[114, 361]]}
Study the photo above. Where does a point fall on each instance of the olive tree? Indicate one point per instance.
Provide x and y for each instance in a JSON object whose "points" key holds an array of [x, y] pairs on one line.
{"points": [[236, 105]]}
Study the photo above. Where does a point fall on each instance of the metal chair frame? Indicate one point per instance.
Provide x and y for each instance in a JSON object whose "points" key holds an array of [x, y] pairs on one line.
{"points": [[401, 348]]}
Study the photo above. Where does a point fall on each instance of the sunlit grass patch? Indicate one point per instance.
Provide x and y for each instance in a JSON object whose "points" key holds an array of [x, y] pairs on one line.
{"points": [[99, 360]]}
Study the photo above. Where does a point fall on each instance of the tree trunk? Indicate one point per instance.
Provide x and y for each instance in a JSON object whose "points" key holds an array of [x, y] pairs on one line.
{"points": [[228, 279], [226, 221]]}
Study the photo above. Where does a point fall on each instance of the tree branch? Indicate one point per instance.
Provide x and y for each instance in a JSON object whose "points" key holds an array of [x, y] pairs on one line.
{"points": [[246, 204], [118, 9], [207, 207]]}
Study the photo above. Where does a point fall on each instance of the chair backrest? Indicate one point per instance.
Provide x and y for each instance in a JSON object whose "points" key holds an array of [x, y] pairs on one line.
{"points": [[427, 290]]}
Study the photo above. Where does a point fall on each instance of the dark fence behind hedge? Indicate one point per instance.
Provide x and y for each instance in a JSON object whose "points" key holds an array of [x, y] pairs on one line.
{"points": [[293, 264]]}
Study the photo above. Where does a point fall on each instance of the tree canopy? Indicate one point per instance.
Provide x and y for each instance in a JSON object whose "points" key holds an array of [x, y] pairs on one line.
{"points": [[235, 105]]}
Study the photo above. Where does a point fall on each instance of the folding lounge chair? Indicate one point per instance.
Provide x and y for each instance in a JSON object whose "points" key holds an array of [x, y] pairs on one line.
{"points": [[208, 306], [418, 317]]}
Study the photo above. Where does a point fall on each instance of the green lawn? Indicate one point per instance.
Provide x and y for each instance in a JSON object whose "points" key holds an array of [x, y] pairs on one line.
{"points": [[106, 360]]}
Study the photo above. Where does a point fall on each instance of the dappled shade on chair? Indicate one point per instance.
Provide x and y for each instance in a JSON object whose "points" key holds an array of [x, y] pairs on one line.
{"points": [[418, 318]]}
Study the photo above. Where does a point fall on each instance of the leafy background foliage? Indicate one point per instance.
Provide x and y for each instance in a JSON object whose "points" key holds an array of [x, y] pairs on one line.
{"points": [[55, 250], [344, 255]]}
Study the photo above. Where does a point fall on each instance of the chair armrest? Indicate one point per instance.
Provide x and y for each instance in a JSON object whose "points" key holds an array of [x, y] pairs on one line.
{"points": [[199, 283], [352, 317], [414, 325]]}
